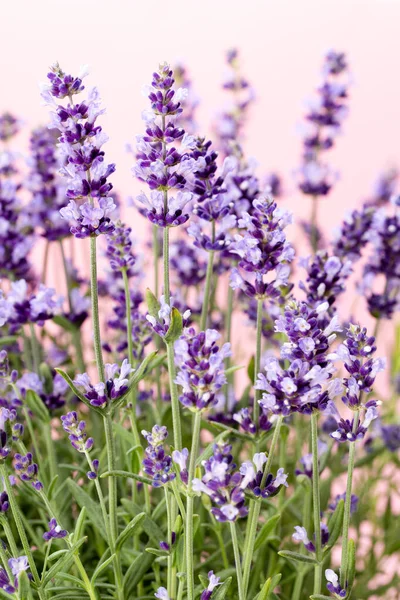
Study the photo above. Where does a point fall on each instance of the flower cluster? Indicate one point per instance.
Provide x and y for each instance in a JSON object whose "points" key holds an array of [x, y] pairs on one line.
{"points": [[260, 483], [21, 306], [157, 464], [54, 531], [77, 432], [201, 368], [115, 386], [27, 470], [160, 164], [323, 124], [262, 249], [222, 484], [80, 142], [162, 322]]}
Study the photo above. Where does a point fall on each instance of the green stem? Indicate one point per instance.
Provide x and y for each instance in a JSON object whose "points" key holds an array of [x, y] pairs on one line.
{"points": [[167, 292], [207, 291], [255, 508], [316, 503], [237, 560], [100, 495], [112, 500], [176, 419], [347, 506], [156, 256], [20, 526], [35, 348], [190, 503], [257, 363], [45, 261], [314, 224], [95, 311], [4, 560], [169, 540], [50, 449], [228, 335]]}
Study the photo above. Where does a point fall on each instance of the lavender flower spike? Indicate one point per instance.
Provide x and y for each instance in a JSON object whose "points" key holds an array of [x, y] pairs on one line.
{"points": [[162, 594], [54, 531], [81, 141], [213, 583], [160, 163], [157, 464], [117, 383], [333, 584]]}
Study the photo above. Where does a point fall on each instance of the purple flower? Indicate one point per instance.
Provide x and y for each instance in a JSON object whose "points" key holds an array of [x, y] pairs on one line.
{"points": [[44, 182], [201, 368], [18, 565], [301, 535], [181, 458], [323, 124], [27, 470], [262, 249], [116, 385], [187, 263], [77, 432], [391, 437], [156, 463], [80, 142], [353, 234], [339, 497], [348, 432], [119, 248], [333, 584], [31, 308], [163, 322], [214, 581], [160, 163], [162, 594], [9, 126], [253, 475], [189, 103], [222, 484], [230, 121], [55, 531]]}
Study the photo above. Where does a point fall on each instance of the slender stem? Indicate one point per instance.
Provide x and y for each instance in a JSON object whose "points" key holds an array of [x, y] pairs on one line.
{"points": [[95, 311], [156, 256], [347, 506], [255, 508], [100, 495], [176, 419], [4, 560], [20, 526], [228, 335], [257, 363], [32, 433], [207, 291], [237, 560], [190, 503], [112, 499], [169, 540], [50, 449], [167, 292], [314, 224], [130, 350], [66, 273], [45, 261], [316, 502], [35, 348]]}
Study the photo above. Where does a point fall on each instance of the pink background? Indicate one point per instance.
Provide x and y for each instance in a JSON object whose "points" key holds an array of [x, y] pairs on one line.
{"points": [[281, 43]]}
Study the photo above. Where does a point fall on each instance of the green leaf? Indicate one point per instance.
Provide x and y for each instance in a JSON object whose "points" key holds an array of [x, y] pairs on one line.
{"points": [[62, 562], [37, 406], [75, 390], [251, 369], [176, 327], [335, 525], [296, 556], [8, 339], [102, 566], [52, 487], [80, 524], [320, 597], [266, 530], [268, 587], [64, 323], [127, 475], [153, 304], [157, 552], [24, 587], [351, 569], [129, 530], [222, 590], [136, 572], [93, 507], [153, 530], [233, 369]]}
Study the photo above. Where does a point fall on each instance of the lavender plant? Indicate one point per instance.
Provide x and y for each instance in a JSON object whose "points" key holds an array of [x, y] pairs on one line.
{"points": [[137, 459]]}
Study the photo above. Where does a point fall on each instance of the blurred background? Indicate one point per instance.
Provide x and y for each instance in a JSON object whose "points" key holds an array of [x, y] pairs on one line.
{"points": [[281, 47]]}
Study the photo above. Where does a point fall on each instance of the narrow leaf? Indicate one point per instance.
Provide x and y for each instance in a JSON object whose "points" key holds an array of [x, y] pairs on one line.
{"points": [[101, 567], [93, 508], [62, 562], [351, 571], [37, 407], [266, 530], [136, 572], [153, 304], [129, 530], [127, 475], [75, 390], [296, 556], [176, 327], [222, 590]]}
